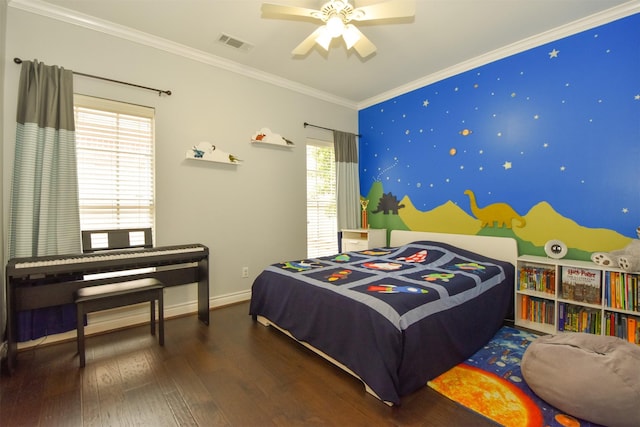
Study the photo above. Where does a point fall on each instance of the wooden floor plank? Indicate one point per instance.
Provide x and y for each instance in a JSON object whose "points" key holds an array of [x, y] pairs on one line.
{"points": [[90, 398], [149, 406], [181, 412], [30, 394], [195, 394], [135, 370], [61, 410], [113, 410]]}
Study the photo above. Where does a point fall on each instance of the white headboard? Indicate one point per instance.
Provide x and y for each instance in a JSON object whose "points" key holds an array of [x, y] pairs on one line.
{"points": [[502, 248]]}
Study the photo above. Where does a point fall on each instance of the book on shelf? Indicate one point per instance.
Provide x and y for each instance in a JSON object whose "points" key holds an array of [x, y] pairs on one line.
{"points": [[581, 284], [622, 326], [579, 319], [621, 290], [537, 310], [631, 329], [540, 279]]}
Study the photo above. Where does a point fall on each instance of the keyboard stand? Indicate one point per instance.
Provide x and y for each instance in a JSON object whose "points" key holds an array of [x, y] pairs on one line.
{"points": [[53, 280]]}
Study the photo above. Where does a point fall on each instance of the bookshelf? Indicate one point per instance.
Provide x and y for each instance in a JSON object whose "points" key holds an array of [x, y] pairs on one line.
{"points": [[562, 295]]}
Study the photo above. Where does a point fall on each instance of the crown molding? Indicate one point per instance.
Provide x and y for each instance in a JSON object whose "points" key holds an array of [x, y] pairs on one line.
{"points": [[126, 33], [572, 28], [92, 23]]}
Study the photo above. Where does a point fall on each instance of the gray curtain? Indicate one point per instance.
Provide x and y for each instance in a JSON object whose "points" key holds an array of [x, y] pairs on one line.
{"points": [[44, 214], [347, 180]]}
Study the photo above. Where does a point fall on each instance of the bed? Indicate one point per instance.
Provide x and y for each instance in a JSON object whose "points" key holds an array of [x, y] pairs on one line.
{"points": [[398, 316]]}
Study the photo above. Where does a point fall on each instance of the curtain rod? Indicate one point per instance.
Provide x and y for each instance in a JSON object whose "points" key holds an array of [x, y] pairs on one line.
{"points": [[321, 127], [160, 92]]}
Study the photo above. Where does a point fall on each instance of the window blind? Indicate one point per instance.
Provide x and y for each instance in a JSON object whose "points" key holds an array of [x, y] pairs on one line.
{"points": [[322, 233], [115, 152]]}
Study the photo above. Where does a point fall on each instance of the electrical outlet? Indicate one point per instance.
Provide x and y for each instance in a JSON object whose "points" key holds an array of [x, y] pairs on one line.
{"points": [[245, 272]]}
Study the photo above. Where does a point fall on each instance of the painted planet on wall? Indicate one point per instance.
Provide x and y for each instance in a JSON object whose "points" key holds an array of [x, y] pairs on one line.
{"points": [[453, 152]]}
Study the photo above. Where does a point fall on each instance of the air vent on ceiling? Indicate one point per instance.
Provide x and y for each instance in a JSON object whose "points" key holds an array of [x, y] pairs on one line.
{"points": [[233, 42]]}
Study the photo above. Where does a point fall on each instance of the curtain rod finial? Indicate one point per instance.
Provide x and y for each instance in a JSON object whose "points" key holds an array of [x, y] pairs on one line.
{"points": [[17, 60]]}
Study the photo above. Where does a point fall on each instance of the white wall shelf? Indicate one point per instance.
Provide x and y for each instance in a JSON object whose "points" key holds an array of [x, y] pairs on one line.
{"points": [[207, 152], [226, 162], [267, 137], [277, 144]]}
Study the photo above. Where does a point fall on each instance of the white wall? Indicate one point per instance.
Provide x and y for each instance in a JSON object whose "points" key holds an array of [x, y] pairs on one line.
{"points": [[252, 214]]}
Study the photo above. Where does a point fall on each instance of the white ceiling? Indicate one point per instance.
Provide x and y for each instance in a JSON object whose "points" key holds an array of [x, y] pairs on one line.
{"points": [[443, 35]]}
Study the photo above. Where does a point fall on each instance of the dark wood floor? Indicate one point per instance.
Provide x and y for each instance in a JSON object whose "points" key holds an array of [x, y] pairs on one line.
{"points": [[233, 373]]}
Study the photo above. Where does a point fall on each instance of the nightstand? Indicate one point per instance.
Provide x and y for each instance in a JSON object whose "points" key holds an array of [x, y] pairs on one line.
{"points": [[363, 238]]}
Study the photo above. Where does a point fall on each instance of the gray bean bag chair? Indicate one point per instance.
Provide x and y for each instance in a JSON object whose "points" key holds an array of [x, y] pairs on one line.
{"points": [[593, 377]]}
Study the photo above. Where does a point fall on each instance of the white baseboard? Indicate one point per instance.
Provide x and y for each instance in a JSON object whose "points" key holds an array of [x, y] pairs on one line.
{"points": [[125, 317]]}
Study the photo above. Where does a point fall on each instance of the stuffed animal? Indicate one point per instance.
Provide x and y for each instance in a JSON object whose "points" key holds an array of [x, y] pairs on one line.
{"points": [[627, 259]]}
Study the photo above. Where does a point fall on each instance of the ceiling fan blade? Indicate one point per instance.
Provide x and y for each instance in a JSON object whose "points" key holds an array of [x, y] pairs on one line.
{"points": [[363, 46], [308, 43], [386, 10], [269, 9]]}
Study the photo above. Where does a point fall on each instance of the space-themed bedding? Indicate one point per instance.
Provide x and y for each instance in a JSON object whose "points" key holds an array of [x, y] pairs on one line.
{"points": [[396, 317]]}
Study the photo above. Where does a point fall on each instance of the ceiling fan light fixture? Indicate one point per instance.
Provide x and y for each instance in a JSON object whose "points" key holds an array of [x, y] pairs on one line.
{"points": [[336, 17], [324, 39], [335, 26], [351, 35]]}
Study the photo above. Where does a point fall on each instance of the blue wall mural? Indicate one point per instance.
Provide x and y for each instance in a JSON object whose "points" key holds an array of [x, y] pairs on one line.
{"points": [[547, 139]]}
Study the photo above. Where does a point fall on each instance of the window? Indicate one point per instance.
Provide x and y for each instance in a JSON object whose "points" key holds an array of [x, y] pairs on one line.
{"points": [[115, 143], [322, 228]]}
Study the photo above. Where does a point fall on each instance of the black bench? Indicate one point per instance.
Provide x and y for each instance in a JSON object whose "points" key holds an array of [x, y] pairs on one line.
{"points": [[127, 292]]}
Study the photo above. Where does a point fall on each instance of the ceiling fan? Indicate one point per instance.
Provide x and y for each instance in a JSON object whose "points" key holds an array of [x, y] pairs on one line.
{"points": [[337, 16]]}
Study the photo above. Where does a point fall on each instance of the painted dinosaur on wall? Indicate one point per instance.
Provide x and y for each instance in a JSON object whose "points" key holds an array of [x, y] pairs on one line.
{"points": [[494, 215], [388, 203]]}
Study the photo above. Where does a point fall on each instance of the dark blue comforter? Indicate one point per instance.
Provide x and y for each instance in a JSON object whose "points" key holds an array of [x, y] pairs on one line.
{"points": [[397, 317]]}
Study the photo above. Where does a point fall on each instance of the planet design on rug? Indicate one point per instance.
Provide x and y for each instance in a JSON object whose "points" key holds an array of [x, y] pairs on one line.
{"points": [[489, 395], [490, 383]]}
